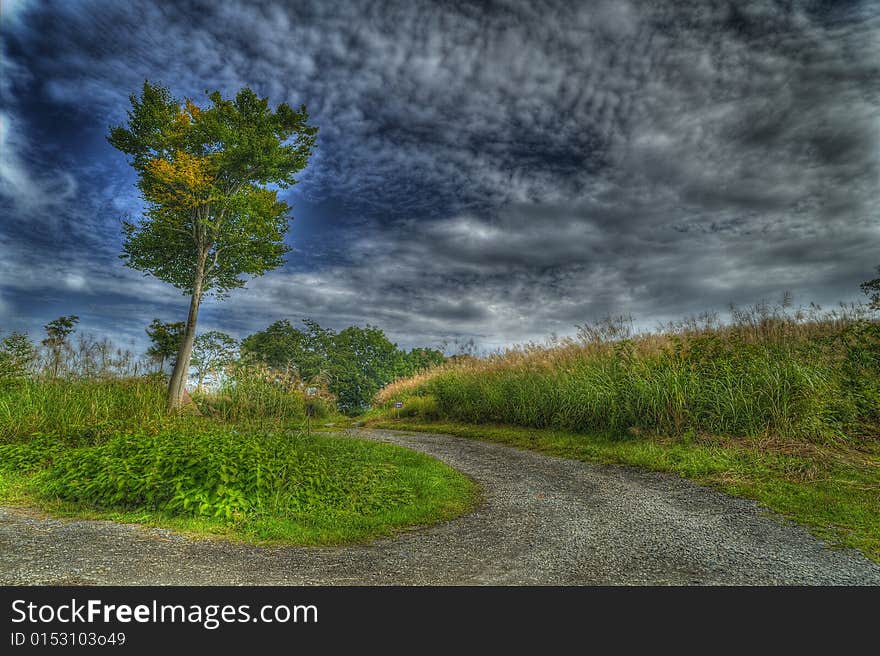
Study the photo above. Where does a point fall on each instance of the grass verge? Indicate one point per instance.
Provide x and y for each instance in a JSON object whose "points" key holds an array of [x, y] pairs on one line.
{"points": [[833, 490], [207, 480]]}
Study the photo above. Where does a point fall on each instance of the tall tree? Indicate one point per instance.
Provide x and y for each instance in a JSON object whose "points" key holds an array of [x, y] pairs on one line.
{"points": [[165, 339], [205, 175], [362, 361], [212, 352], [57, 332]]}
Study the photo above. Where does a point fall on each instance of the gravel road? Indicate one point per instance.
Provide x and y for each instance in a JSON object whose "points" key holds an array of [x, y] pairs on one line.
{"points": [[544, 521]]}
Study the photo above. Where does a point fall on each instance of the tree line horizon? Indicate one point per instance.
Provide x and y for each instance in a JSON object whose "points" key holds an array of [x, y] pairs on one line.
{"points": [[351, 364]]}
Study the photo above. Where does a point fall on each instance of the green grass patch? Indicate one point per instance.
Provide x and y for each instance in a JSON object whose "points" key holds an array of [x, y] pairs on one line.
{"points": [[265, 488], [832, 489]]}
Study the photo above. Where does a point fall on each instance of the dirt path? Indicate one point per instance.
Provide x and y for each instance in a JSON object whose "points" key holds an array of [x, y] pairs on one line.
{"points": [[544, 521]]}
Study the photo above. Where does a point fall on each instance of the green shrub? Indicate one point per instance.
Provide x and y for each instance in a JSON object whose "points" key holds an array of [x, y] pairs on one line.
{"points": [[33, 455], [256, 393], [424, 407], [221, 473]]}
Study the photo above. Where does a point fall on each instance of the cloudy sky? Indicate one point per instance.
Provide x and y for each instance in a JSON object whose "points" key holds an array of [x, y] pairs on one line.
{"points": [[500, 171]]}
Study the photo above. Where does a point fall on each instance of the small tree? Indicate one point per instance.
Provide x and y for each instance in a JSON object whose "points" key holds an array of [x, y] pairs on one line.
{"points": [[872, 291], [211, 219], [212, 352], [57, 332], [17, 355], [165, 341]]}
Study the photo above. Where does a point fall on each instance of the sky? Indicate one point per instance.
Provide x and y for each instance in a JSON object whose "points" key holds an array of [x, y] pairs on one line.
{"points": [[496, 171]]}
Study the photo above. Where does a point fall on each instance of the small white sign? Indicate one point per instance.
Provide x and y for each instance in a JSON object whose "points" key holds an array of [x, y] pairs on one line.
{"points": [[398, 404], [311, 391]]}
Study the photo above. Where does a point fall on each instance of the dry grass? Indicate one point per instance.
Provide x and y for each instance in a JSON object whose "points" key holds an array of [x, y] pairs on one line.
{"points": [[809, 374]]}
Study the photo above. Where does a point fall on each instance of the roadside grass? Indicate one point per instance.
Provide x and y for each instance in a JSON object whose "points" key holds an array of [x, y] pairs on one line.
{"points": [[832, 489], [105, 449], [812, 380]]}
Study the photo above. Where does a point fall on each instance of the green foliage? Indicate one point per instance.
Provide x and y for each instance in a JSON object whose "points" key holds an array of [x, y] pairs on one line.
{"points": [[285, 348], [17, 356], [253, 392], [34, 454], [420, 359], [362, 360], [165, 339], [80, 411], [267, 486], [221, 473], [821, 385], [210, 178], [203, 172], [106, 449], [423, 407], [213, 351], [354, 363]]}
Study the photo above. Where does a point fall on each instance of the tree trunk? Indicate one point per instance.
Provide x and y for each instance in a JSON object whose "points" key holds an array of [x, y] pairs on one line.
{"points": [[177, 384]]}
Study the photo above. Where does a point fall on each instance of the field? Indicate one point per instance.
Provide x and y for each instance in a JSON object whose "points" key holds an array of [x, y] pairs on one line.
{"points": [[783, 408]]}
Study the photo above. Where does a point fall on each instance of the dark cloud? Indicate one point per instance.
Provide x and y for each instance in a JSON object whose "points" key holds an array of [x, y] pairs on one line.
{"points": [[498, 170]]}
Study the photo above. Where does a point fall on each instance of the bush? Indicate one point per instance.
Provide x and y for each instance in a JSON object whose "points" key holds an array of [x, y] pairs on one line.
{"points": [[220, 473], [424, 407], [255, 392]]}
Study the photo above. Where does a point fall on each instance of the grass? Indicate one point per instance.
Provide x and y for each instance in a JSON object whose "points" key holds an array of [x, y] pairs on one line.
{"points": [[816, 381], [106, 449], [831, 489], [83, 411]]}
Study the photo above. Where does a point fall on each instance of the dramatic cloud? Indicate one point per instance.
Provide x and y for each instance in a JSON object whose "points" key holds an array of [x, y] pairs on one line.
{"points": [[497, 170]]}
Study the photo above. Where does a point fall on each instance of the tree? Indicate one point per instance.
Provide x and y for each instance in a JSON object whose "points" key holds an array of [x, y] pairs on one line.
{"points": [[17, 355], [57, 332], [204, 172], [872, 291], [166, 339], [419, 359], [212, 351], [362, 361], [283, 348]]}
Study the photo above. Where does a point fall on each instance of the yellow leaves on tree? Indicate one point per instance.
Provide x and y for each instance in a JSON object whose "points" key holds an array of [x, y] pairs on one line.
{"points": [[184, 182]]}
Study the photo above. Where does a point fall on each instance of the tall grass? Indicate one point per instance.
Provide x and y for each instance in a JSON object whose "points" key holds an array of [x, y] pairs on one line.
{"points": [[254, 392], [767, 372], [80, 410], [83, 411]]}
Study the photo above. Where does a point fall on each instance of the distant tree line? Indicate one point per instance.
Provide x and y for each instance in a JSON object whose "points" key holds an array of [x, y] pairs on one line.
{"points": [[352, 364]]}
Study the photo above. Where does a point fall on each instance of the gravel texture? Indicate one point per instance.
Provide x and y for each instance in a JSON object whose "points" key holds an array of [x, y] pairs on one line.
{"points": [[543, 520]]}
